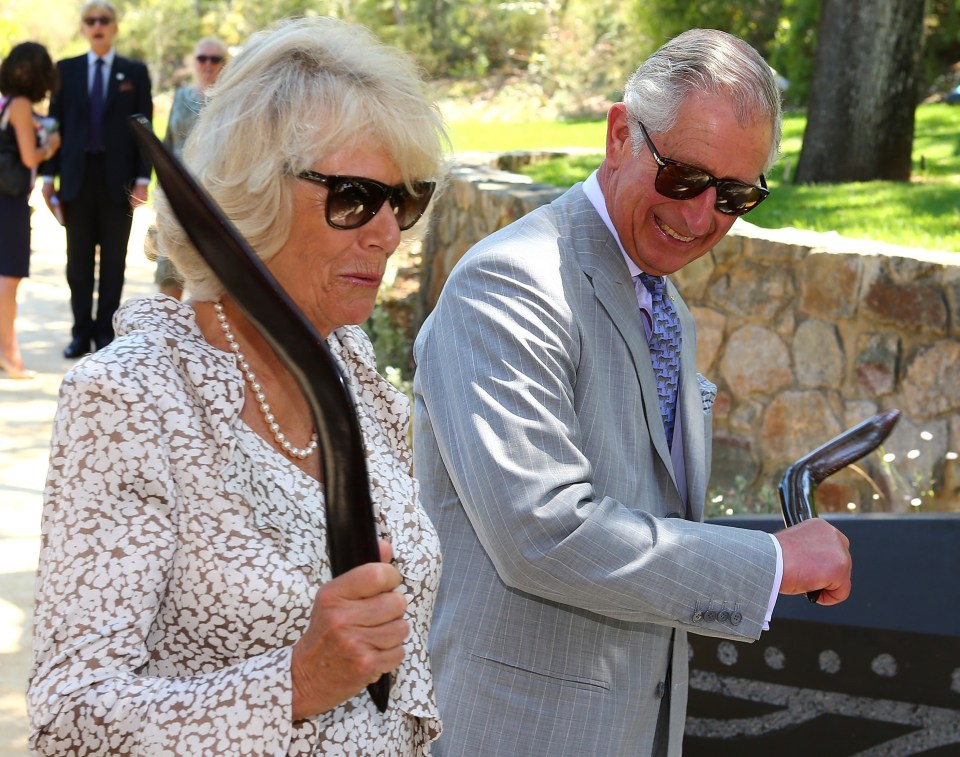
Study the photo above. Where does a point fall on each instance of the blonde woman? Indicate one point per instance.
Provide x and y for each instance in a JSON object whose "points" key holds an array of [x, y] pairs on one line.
{"points": [[207, 61], [186, 603]]}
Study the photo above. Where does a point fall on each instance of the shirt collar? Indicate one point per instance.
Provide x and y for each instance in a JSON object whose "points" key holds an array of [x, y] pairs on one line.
{"points": [[591, 188], [107, 58]]}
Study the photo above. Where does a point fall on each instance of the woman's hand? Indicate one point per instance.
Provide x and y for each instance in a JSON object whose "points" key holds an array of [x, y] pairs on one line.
{"points": [[53, 144], [355, 635]]}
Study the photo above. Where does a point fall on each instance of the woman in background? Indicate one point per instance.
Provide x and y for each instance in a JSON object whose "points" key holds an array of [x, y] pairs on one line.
{"points": [[27, 76], [209, 56]]}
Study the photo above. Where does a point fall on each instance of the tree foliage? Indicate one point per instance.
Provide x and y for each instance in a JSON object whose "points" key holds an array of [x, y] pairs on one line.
{"points": [[576, 47], [794, 46], [51, 24], [756, 22], [941, 39]]}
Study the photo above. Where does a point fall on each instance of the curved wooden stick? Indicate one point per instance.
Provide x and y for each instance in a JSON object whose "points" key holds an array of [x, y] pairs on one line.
{"points": [[351, 528], [799, 483]]}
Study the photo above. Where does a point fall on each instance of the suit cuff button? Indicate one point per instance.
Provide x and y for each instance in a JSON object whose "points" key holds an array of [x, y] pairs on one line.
{"points": [[723, 616], [710, 616], [735, 618], [698, 616]]}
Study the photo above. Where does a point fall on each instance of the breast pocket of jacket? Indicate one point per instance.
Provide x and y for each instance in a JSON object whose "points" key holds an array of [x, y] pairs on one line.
{"points": [[127, 97], [708, 393]]}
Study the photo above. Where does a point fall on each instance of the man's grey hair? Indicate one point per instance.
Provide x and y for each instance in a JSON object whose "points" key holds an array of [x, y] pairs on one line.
{"points": [[214, 41], [704, 61], [297, 92], [104, 5]]}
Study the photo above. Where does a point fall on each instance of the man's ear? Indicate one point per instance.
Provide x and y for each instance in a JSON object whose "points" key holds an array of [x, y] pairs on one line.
{"points": [[619, 145]]}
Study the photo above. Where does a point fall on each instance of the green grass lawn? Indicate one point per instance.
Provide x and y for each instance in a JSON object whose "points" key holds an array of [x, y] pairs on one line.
{"points": [[503, 136], [922, 213]]}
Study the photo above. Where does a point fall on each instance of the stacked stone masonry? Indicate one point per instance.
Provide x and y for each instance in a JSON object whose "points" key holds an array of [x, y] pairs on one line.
{"points": [[805, 334]]}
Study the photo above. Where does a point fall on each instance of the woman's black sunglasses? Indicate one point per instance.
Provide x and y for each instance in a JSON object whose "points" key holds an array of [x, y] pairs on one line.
{"points": [[353, 201], [681, 181]]}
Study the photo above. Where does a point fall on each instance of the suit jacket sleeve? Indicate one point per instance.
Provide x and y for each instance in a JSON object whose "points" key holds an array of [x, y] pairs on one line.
{"points": [[504, 375], [145, 95]]}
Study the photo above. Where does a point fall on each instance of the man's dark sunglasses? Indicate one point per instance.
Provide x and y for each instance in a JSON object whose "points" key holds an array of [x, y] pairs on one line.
{"points": [[209, 58], [94, 20], [681, 181], [353, 201]]}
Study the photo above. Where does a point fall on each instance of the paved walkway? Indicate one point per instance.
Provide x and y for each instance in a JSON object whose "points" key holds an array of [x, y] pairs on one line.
{"points": [[26, 412]]}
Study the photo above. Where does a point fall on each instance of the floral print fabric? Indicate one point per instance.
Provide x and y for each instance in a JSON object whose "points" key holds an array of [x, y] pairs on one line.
{"points": [[181, 554]]}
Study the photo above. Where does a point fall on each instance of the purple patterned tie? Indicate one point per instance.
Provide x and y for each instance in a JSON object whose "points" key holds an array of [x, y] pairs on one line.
{"points": [[95, 141], [664, 350]]}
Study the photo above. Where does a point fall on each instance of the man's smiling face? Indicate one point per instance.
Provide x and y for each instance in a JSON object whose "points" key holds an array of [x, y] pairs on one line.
{"points": [[660, 234]]}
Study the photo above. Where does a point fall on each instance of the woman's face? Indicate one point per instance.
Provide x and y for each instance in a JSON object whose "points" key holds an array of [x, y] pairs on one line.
{"points": [[205, 69], [334, 274]]}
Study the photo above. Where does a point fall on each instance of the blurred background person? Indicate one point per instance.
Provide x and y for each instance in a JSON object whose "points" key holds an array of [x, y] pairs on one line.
{"points": [[102, 174], [205, 619], [207, 61], [27, 76]]}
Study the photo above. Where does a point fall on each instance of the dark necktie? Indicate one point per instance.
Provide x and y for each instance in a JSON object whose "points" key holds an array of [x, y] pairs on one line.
{"points": [[664, 350], [95, 141]]}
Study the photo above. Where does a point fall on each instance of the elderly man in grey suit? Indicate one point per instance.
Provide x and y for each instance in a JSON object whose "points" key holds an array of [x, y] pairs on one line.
{"points": [[563, 444]]}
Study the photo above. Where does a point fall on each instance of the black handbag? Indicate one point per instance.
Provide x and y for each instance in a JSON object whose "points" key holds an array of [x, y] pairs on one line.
{"points": [[14, 176]]}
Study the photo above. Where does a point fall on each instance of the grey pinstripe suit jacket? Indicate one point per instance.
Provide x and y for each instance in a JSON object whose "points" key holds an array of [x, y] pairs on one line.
{"points": [[543, 463]]}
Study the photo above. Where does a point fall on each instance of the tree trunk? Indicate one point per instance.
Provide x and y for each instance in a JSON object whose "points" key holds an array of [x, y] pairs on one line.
{"points": [[863, 100]]}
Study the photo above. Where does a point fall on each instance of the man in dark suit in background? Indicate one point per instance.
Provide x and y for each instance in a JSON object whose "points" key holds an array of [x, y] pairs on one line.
{"points": [[103, 176]]}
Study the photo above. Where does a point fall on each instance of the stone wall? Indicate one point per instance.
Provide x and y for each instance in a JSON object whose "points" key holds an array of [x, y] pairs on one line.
{"points": [[805, 334], [481, 197]]}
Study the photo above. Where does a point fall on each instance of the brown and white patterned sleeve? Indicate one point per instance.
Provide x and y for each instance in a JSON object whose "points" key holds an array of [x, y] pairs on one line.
{"points": [[109, 549]]}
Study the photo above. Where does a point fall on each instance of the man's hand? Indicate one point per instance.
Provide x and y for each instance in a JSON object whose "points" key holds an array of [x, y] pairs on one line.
{"points": [[816, 556], [52, 200]]}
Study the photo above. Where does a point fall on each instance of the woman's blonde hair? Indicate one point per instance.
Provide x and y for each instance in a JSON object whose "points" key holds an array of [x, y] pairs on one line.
{"points": [[299, 91]]}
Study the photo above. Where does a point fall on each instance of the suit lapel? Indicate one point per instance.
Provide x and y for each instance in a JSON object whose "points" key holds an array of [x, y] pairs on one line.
{"points": [[602, 262], [117, 74], [79, 82], [690, 409]]}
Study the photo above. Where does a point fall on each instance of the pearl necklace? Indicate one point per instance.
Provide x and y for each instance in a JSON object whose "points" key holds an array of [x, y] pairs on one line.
{"points": [[299, 452]]}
